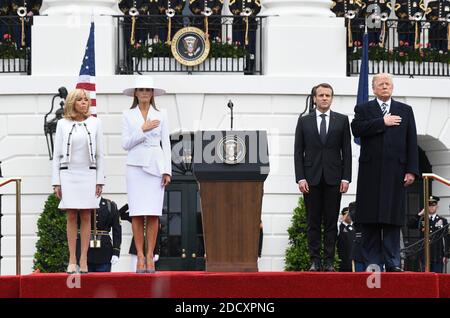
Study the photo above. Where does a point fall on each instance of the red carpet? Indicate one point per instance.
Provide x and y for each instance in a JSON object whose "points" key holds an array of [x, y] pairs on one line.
{"points": [[444, 285], [9, 286], [227, 285]]}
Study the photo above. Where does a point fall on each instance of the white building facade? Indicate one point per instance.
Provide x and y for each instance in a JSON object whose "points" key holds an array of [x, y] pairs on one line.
{"points": [[304, 45]]}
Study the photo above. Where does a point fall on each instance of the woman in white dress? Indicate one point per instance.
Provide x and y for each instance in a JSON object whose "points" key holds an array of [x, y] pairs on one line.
{"points": [[77, 176], [145, 135]]}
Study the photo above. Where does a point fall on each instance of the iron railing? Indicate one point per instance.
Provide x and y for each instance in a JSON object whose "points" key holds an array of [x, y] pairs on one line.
{"points": [[143, 45], [15, 46], [411, 48]]}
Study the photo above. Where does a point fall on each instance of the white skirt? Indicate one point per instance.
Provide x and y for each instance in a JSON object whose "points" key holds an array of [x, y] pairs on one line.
{"points": [[78, 188], [145, 192]]}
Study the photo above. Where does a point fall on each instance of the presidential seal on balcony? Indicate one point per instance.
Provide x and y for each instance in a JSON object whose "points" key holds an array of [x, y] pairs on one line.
{"points": [[231, 149], [190, 46]]}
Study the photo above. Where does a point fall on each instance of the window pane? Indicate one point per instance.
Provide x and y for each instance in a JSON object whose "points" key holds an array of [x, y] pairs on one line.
{"points": [[174, 224], [174, 201]]}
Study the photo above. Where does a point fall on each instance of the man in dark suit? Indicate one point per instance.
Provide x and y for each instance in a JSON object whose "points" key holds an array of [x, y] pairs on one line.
{"points": [[388, 163], [323, 163], [439, 248]]}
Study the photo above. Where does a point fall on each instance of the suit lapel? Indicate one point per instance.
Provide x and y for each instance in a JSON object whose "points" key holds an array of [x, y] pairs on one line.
{"points": [[375, 109], [394, 109], [332, 124], [313, 121]]}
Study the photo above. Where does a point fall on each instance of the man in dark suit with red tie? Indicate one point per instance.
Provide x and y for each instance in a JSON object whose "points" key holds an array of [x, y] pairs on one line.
{"points": [[388, 163], [323, 164]]}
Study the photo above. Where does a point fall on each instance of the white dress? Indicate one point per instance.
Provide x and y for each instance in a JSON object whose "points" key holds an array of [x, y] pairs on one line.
{"points": [[78, 181], [145, 192], [148, 159]]}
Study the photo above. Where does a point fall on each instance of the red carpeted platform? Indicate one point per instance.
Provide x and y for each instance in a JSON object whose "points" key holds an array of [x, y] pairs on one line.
{"points": [[228, 285], [444, 285], [9, 286]]}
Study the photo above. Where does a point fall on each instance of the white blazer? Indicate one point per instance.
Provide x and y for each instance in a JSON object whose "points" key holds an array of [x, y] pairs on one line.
{"points": [[150, 150], [63, 149]]}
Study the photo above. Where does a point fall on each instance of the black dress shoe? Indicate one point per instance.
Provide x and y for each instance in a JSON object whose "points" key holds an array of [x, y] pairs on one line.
{"points": [[394, 269], [315, 267]]}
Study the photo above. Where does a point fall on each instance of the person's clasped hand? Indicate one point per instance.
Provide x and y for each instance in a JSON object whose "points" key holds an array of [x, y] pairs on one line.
{"points": [[114, 259]]}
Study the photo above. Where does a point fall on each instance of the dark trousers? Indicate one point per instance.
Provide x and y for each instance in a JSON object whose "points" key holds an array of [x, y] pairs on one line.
{"points": [[105, 267], [322, 206], [434, 267], [381, 245]]}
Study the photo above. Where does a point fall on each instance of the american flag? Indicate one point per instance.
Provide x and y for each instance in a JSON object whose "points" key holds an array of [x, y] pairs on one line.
{"points": [[86, 79]]}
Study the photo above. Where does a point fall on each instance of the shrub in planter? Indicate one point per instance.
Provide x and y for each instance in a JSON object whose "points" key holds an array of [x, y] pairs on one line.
{"points": [[52, 253]]}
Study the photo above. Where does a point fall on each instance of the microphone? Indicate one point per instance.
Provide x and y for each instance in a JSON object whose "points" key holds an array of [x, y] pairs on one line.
{"points": [[62, 92], [230, 106]]}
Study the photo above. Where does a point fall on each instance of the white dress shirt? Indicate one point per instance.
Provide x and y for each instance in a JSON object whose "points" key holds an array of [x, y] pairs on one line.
{"points": [[319, 119], [388, 103]]}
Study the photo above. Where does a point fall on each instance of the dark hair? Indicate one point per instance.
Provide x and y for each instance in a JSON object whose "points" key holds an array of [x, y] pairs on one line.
{"points": [[324, 85], [352, 209], [136, 102]]}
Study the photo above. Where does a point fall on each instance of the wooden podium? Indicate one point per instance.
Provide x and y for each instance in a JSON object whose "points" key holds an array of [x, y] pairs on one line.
{"points": [[230, 167]]}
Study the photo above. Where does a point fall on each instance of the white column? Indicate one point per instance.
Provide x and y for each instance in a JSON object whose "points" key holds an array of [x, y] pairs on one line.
{"points": [[60, 33], [303, 38]]}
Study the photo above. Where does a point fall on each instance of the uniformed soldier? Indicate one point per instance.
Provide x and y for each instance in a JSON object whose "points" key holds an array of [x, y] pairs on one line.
{"points": [[4, 11], [438, 13], [439, 250], [245, 26], [143, 27], [344, 242], [352, 10], [375, 12], [409, 13], [172, 11], [102, 252], [208, 8], [32, 7]]}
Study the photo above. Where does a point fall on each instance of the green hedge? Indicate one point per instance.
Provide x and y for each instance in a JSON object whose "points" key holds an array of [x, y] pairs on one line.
{"points": [[52, 253]]}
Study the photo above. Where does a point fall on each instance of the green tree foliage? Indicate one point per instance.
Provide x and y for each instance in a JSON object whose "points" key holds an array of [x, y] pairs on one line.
{"points": [[52, 253], [297, 256]]}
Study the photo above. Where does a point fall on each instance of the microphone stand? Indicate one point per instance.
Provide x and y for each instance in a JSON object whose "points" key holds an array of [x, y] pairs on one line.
{"points": [[230, 106]]}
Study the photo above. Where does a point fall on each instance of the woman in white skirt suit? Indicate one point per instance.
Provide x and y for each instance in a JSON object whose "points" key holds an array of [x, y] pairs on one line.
{"points": [[77, 176], [145, 135]]}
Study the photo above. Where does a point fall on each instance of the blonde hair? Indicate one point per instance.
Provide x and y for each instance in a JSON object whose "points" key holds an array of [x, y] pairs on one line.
{"points": [[381, 75], [136, 101], [69, 108]]}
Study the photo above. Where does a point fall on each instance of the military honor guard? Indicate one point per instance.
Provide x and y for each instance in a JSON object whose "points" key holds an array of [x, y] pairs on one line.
{"points": [[209, 9], [24, 9], [4, 11], [102, 252], [376, 12], [136, 30], [439, 247], [410, 13], [352, 11], [245, 27], [439, 17], [172, 11]]}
